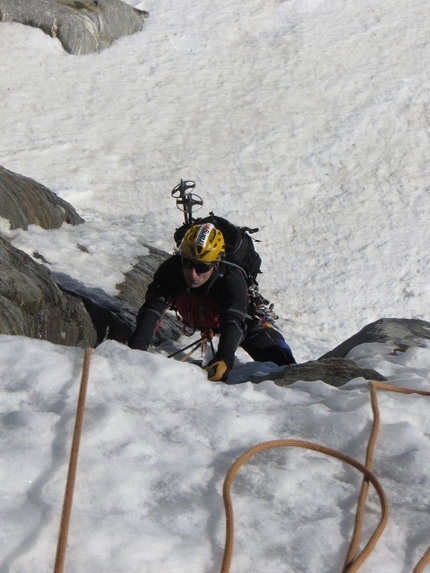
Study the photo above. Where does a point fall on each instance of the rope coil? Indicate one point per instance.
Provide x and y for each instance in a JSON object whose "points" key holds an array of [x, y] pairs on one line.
{"points": [[353, 561]]}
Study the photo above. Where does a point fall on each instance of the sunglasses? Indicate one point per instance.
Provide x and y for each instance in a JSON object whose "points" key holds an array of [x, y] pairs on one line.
{"points": [[200, 268]]}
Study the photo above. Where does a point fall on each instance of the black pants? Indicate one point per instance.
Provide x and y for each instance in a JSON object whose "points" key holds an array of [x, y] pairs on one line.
{"points": [[266, 344]]}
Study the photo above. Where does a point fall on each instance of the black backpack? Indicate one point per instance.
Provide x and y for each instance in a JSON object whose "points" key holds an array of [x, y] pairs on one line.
{"points": [[239, 245]]}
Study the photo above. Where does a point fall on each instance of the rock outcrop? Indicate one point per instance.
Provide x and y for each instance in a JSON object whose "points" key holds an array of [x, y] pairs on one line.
{"points": [[82, 26], [403, 332], [36, 303], [333, 371], [23, 201], [31, 303], [132, 291]]}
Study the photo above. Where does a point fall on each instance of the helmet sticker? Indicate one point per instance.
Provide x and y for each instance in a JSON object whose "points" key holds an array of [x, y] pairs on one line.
{"points": [[203, 235]]}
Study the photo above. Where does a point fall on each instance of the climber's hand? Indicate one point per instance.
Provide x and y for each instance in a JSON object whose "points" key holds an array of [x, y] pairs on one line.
{"points": [[217, 370]]}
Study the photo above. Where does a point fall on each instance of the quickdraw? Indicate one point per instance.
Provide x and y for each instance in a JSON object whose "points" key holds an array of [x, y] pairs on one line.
{"points": [[207, 336]]}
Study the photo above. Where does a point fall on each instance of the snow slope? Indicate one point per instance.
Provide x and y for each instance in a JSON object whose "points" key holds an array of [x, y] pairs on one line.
{"points": [[306, 118]]}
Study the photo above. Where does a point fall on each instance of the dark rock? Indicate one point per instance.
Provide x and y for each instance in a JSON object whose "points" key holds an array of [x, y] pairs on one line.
{"points": [[333, 371], [136, 281], [23, 201], [32, 305], [332, 368], [82, 26], [38, 304], [115, 317], [403, 332], [133, 290], [112, 319]]}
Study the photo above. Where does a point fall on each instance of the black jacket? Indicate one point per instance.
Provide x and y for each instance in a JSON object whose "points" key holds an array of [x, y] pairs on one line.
{"points": [[220, 304]]}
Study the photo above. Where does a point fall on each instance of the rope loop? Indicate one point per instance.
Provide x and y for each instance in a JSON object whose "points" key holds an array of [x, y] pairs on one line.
{"points": [[353, 561]]}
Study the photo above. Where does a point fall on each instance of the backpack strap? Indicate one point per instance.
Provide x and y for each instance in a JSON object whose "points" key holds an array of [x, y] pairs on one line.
{"points": [[230, 264]]}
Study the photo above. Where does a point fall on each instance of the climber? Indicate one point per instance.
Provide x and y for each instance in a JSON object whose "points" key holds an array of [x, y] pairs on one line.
{"points": [[211, 295]]}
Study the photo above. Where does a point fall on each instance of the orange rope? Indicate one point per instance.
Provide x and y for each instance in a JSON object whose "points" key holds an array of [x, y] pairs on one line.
{"points": [[352, 562], [374, 386], [73, 462], [297, 444], [425, 560]]}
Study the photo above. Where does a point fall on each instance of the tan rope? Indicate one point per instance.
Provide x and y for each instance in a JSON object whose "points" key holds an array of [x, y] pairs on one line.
{"points": [[73, 462], [374, 386], [297, 444], [352, 563], [358, 526], [425, 560], [207, 337]]}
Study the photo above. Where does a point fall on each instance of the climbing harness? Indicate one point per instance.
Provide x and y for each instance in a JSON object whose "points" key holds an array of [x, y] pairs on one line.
{"points": [[73, 462], [352, 562]]}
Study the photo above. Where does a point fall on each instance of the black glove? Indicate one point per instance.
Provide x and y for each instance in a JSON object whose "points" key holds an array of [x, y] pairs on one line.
{"points": [[138, 343], [217, 370]]}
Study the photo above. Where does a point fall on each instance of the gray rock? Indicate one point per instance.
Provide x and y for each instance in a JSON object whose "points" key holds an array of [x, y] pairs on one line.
{"points": [[403, 332], [23, 201], [82, 26], [32, 305], [132, 291], [38, 304], [112, 318], [115, 317], [136, 281], [333, 371]]}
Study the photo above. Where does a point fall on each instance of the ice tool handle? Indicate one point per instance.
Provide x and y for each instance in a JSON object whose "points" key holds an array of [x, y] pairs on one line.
{"points": [[185, 200]]}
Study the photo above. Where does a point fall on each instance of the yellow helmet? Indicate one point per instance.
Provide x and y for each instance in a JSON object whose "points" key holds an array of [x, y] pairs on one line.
{"points": [[203, 243]]}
